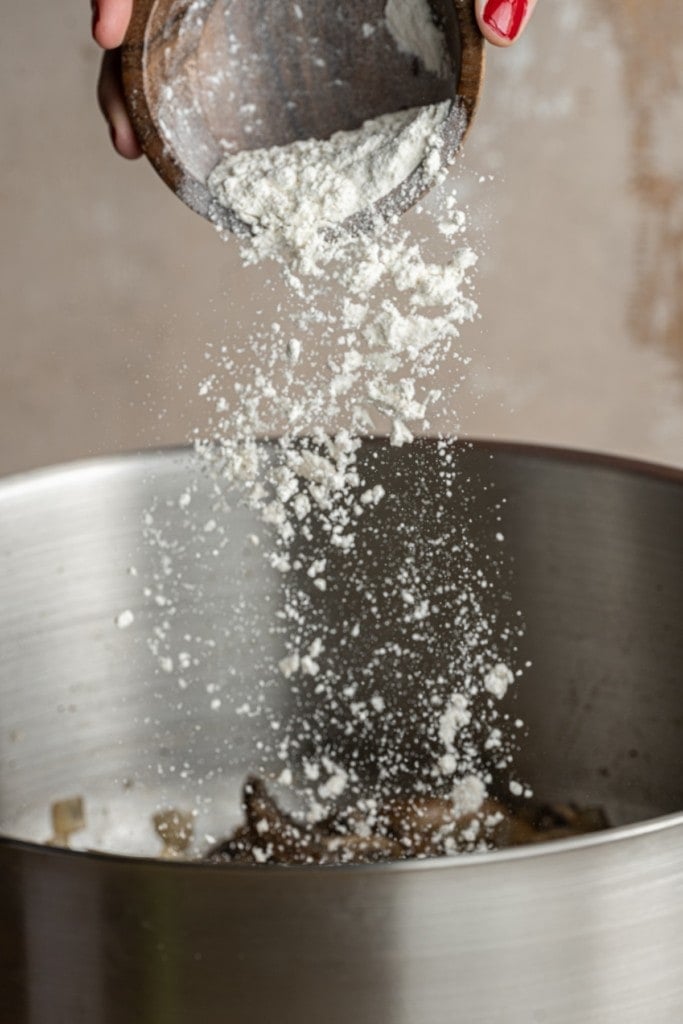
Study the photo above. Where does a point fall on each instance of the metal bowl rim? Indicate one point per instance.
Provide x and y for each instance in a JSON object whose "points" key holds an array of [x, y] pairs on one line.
{"points": [[558, 847], [581, 456]]}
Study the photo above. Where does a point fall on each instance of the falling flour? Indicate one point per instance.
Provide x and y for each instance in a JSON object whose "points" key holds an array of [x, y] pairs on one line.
{"points": [[392, 314], [370, 321]]}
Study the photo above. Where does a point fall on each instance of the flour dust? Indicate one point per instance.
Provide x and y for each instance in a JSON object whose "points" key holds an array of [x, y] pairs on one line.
{"points": [[384, 653]]}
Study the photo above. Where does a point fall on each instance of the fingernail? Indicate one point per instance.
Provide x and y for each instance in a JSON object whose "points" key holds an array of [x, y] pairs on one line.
{"points": [[112, 135], [95, 13], [505, 17]]}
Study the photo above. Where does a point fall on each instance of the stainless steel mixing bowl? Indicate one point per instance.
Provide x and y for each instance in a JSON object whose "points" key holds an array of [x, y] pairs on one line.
{"points": [[588, 931]]}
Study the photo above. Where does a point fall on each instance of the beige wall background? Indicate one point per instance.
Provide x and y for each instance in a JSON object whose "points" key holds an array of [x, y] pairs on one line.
{"points": [[111, 289]]}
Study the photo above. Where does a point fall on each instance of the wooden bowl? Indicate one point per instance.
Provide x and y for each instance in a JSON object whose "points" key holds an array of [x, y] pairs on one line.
{"points": [[204, 78]]}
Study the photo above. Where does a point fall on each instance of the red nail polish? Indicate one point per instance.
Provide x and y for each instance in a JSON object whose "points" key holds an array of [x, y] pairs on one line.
{"points": [[505, 17]]}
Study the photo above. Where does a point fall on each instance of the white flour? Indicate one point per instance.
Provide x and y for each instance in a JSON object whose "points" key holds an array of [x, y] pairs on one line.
{"points": [[411, 24], [394, 314], [291, 196], [372, 316]]}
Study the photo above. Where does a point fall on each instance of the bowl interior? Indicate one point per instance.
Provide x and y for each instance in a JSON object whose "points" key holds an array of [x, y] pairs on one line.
{"points": [[165, 712], [232, 75]]}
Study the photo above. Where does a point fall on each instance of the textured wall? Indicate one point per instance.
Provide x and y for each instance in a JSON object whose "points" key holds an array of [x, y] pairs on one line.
{"points": [[111, 288]]}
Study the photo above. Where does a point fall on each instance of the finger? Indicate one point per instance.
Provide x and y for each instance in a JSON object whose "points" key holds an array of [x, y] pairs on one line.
{"points": [[112, 104], [503, 21], [110, 21]]}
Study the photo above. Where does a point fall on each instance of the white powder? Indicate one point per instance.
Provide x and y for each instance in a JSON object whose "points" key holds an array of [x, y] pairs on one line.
{"points": [[456, 716], [498, 680], [468, 795], [412, 26], [392, 315], [336, 782], [289, 665], [302, 204], [125, 619], [291, 196], [372, 316]]}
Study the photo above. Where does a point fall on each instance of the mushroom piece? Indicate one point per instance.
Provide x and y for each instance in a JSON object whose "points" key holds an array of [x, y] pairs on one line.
{"points": [[399, 829], [176, 830]]}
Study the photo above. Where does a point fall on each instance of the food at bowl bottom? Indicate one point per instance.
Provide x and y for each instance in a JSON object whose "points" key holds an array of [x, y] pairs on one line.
{"points": [[394, 829]]}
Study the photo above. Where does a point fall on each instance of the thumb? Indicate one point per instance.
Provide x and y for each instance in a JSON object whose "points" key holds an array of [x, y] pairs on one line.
{"points": [[110, 21], [503, 21]]}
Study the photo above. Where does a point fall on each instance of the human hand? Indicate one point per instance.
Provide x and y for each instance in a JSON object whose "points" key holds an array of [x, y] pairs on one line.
{"points": [[503, 21], [109, 24], [500, 21]]}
